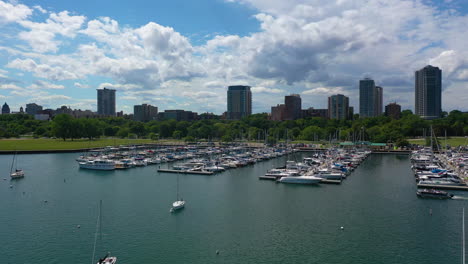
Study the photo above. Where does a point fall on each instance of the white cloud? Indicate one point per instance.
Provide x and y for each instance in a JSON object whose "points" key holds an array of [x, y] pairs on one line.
{"points": [[10, 12], [43, 85], [40, 9], [118, 86], [80, 85], [260, 89], [10, 86], [41, 36], [324, 91]]}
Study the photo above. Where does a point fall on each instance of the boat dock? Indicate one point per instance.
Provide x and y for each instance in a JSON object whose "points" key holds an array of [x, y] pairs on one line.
{"points": [[187, 172], [447, 187]]}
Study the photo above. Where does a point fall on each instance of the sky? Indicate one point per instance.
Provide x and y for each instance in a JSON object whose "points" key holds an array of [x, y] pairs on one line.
{"points": [[182, 54]]}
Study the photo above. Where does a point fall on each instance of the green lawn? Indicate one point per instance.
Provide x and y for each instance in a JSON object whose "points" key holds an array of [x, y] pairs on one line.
{"points": [[453, 141], [56, 144]]}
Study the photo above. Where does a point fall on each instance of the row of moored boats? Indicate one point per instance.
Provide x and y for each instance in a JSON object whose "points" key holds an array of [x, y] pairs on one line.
{"points": [[332, 166]]}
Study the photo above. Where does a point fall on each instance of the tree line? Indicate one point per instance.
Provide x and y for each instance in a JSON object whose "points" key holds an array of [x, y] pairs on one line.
{"points": [[254, 127]]}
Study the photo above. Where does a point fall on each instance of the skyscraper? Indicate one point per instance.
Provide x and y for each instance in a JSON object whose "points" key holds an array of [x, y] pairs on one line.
{"points": [[378, 101], [239, 101], [428, 92], [106, 102], [338, 107], [5, 109], [292, 107], [145, 112], [367, 93]]}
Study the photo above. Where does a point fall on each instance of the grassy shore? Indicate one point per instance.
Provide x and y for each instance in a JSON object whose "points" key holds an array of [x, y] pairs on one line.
{"points": [[453, 141], [59, 144]]}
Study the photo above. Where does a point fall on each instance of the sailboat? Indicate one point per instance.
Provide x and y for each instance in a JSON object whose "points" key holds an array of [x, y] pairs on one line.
{"points": [[179, 203], [106, 259], [17, 173]]}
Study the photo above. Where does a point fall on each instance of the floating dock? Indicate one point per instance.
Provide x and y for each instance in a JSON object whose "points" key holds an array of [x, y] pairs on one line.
{"points": [[271, 178], [448, 187], [187, 172]]}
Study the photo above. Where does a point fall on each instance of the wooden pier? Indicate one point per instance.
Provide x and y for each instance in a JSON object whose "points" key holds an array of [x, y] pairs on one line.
{"points": [[187, 172]]}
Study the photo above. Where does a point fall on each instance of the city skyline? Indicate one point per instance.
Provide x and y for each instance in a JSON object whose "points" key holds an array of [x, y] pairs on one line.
{"points": [[59, 53]]}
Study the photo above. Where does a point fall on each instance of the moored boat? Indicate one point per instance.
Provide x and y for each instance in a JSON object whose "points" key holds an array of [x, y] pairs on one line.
{"points": [[432, 193]]}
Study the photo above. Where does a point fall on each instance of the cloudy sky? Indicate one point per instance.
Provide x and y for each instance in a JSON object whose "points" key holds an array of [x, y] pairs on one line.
{"points": [[183, 54]]}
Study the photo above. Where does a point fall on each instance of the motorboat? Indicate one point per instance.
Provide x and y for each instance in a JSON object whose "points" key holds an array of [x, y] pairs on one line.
{"points": [[300, 179], [432, 193], [98, 164]]}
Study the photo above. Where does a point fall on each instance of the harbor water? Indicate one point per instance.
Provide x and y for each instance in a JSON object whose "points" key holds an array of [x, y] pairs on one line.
{"points": [[50, 216]]}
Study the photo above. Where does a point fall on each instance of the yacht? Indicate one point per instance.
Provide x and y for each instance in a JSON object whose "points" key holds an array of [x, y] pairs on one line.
{"points": [[432, 193], [98, 164], [300, 179]]}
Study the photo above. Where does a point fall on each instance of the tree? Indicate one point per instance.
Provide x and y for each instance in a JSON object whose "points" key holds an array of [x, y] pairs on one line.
{"points": [[311, 133], [62, 125], [91, 128]]}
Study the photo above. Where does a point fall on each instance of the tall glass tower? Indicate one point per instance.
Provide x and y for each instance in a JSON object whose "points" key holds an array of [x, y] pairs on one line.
{"points": [[239, 101], [428, 92], [106, 102], [367, 95]]}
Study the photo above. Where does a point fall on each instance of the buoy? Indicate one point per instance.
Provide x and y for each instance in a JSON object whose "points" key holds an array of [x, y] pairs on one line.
{"points": [[11, 186], [342, 228], [45, 201], [78, 226], [217, 252], [430, 211]]}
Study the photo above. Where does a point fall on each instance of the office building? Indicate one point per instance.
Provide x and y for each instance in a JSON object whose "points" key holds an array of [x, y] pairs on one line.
{"points": [[367, 97], [311, 112], [33, 108], [428, 92], [178, 115], [393, 110], [145, 113], [378, 107], [106, 102], [239, 102], [5, 109], [292, 107], [277, 112], [338, 107]]}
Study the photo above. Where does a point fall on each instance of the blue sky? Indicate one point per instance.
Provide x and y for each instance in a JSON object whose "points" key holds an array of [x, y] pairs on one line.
{"points": [[183, 54]]}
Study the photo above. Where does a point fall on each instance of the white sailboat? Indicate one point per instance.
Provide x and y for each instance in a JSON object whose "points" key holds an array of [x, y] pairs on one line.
{"points": [[179, 203], [17, 173], [106, 259]]}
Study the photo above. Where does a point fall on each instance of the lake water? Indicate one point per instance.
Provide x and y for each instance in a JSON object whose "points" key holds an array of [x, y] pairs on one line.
{"points": [[246, 219]]}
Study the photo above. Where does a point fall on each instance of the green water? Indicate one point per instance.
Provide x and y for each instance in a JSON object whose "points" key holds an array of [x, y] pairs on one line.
{"points": [[247, 220]]}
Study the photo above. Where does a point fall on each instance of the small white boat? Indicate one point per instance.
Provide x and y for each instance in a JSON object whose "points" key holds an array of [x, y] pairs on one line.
{"points": [[17, 174], [179, 203], [301, 179]]}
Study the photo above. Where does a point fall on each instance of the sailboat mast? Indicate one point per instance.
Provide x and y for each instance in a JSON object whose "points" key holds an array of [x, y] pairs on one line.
{"points": [[463, 236], [96, 233], [13, 163]]}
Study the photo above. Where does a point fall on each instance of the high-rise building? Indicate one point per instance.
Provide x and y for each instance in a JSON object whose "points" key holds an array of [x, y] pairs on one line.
{"points": [[239, 101], [311, 112], [393, 110], [338, 107], [378, 101], [145, 112], [366, 97], [292, 107], [106, 102], [33, 108], [277, 112], [5, 109], [428, 92]]}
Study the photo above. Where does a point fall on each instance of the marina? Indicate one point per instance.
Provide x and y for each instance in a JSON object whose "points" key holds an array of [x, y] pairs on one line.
{"points": [[373, 215]]}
